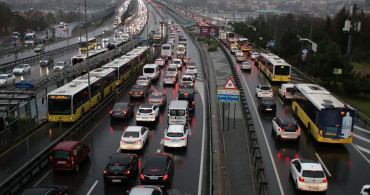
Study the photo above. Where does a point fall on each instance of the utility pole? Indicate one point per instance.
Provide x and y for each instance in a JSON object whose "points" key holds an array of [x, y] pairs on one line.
{"points": [[88, 61], [351, 25]]}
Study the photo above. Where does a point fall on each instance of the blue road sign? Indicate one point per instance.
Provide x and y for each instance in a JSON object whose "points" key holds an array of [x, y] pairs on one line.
{"points": [[228, 96], [188, 23], [23, 84]]}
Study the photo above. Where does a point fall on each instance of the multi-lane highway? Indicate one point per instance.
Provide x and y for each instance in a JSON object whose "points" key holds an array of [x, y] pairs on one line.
{"points": [[104, 136]]}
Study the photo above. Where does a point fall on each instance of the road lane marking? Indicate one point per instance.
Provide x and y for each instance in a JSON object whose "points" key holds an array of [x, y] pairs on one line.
{"points": [[362, 148], [264, 136], [362, 129], [92, 187], [323, 165], [39, 181], [368, 161], [118, 149], [361, 138]]}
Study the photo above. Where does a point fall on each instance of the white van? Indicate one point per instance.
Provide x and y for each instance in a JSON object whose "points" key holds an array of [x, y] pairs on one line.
{"points": [[178, 112], [151, 71], [166, 51], [181, 52]]}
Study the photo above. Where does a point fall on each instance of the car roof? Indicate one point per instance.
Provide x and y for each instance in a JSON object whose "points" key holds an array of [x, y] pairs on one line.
{"points": [[287, 120], [267, 98], [172, 65], [133, 128], [192, 66], [287, 85], [66, 145], [158, 157], [146, 105], [143, 77], [157, 93], [265, 85], [119, 158], [176, 59], [176, 128], [41, 190], [4, 74], [310, 165], [137, 86], [121, 104], [187, 90]]}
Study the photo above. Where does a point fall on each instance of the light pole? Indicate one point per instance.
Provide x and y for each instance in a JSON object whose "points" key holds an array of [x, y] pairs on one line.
{"points": [[79, 18], [88, 61], [147, 23], [313, 46]]}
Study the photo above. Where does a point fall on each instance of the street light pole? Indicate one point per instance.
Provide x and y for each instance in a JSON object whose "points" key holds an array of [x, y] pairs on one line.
{"points": [[88, 61], [79, 18], [147, 23]]}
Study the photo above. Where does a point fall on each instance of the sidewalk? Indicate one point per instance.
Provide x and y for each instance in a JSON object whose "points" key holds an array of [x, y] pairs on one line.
{"points": [[232, 129]]}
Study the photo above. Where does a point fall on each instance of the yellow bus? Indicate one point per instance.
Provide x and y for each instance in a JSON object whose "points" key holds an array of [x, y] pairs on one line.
{"points": [[325, 117], [109, 80], [88, 45], [275, 68], [71, 101], [123, 67]]}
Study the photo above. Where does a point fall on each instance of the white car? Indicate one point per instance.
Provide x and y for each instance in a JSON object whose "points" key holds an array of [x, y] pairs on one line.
{"points": [[187, 79], [7, 79], [147, 113], [192, 69], [233, 50], [60, 66], [159, 62], [176, 136], [308, 175], [146, 190], [365, 190], [22, 68], [169, 79], [134, 138], [172, 69], [254, 56], [285, 128], [192, 75], [143, 80], [264, 90], [285, 91], [246, 65], [178, 62]]}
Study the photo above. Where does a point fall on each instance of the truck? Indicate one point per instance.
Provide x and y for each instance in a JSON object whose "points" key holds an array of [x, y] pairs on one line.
{"points": [[222, 37]]}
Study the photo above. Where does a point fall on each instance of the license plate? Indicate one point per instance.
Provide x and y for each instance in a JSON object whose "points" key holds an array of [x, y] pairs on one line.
{"points": [[153, 178], [116, 180], [144, 117], [313, 187], [175, 140], [62, 162], [268, 109], [128, 142]]}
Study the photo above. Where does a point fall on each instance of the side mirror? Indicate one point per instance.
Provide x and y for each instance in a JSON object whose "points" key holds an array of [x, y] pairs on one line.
{"points": [[274, 119]]}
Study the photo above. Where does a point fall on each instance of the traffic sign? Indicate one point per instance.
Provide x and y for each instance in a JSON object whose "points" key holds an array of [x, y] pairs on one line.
{"points": [[230, 84], [228, 96], [337, 71], [23, 84]]}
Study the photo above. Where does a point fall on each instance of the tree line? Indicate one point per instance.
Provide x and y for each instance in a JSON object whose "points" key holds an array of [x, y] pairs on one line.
{"points": [[331, 42]]}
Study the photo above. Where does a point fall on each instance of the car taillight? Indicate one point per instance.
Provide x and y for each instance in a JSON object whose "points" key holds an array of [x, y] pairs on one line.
{"points": [[285, 92], [124, 112], [111, 112], [152, 114], [138, 141], [270, 90], [51, 157], [165, 177], [72, 160], [301, 179], [297, 130], [166, 138], [127, 173], [183, 139], [131, 92], [280, 129], [259, 90], [138, 113], [142, 176], [193, 102], [105, 171], [324, 180], [122, 141], [141, 92], [150, 101]]}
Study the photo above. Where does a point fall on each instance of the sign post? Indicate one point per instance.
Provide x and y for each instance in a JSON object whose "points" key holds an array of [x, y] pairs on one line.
{"points": [[228, 94]]}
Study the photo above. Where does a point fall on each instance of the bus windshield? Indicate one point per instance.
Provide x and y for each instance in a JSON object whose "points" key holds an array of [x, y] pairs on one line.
{"points": [[282, 70], [60, 106], [77, 60]]}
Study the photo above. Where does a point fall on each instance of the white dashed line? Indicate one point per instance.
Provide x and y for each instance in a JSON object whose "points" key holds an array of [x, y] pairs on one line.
{"points": [[361, 129], [323, 165], [357, 149], [361, 138], [92, 187]]}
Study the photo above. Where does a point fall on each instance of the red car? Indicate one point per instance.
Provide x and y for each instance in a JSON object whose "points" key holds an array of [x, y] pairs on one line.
{"points": [[68, 155]]}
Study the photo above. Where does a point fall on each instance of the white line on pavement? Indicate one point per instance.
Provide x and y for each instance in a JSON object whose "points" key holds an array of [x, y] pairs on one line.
{"points": [[162, 141], [203, 148], [368, 161], [361, 138], [362, 129], [362, 148], [92, 187], [267, 142], [323, 165]]}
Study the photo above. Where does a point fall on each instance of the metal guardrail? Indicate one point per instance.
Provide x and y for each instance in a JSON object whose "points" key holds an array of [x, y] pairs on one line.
{"points": [[259, 170], [14, 182]]}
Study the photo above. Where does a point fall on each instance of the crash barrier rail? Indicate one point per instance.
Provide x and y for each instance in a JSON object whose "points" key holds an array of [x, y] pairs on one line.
{"points": [[258, 168], [14, 183]]}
